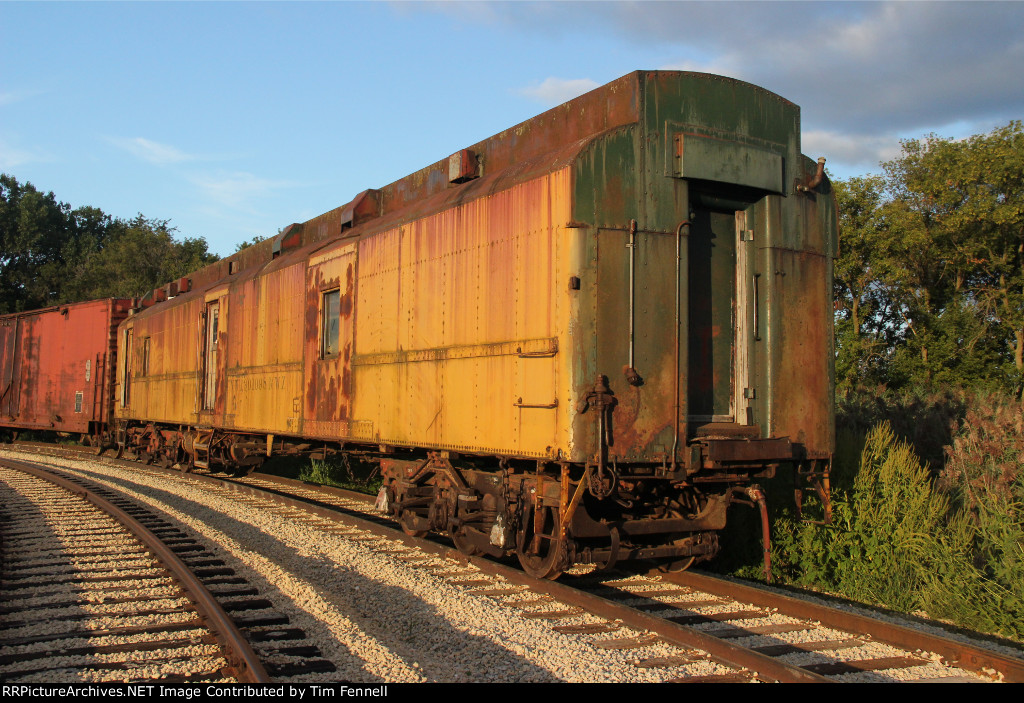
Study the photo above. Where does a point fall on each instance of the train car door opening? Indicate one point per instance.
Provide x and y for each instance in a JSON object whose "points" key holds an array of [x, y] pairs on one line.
{"points": [[330, 301], [212, 329], [9, 334], [712, 299], [126, 374]]}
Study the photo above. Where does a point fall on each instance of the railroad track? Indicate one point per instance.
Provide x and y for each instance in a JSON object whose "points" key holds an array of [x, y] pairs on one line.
{"points": [[656, 627], [828, 642], [99, 588]]}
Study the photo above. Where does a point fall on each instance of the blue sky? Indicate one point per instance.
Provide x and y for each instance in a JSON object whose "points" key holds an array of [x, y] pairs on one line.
{"points": [[233, 120]]}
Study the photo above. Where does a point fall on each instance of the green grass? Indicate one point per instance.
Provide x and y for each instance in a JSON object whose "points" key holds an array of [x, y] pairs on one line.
{"points": [[341, 472]]}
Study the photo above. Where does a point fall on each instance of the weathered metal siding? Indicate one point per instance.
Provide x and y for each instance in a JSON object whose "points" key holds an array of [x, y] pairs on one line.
{"points": [[54, 365], [257, 378], [722, 156], [798, 269], [460, 329], [327, 391], [461, 341], [164, 389], [264, 350], [10, 328]]}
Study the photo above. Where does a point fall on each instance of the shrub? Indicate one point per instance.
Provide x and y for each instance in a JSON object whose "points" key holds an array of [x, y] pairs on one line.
{"points": [[984, 473], [902, 540], [881, 533]]}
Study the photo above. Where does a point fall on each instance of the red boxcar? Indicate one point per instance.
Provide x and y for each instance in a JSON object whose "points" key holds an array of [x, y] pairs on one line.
{"points": [[57, 365]]}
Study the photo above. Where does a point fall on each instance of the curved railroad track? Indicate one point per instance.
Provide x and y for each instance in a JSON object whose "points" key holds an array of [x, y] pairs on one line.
{"points": [[99, 588], [653, 627]]}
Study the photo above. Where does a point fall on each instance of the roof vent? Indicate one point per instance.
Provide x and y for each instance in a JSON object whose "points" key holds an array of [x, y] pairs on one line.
{"points": [[290, 238], [463, 166], [363, 207]]}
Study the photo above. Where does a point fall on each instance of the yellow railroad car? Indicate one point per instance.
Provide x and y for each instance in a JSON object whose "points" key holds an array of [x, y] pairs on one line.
{"points": [[580, 340]]}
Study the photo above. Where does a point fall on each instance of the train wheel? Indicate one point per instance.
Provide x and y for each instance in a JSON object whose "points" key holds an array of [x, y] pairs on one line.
{"points": [[409, 521], [244, 470], [676, 567], [538, 547], [462, 543]]}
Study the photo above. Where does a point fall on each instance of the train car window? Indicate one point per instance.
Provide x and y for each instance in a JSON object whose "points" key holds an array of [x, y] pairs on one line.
{"points": [[330, 323]]}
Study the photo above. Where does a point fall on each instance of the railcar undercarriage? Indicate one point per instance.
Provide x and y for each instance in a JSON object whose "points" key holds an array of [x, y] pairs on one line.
{"points": [[202, 447], [555, 515], [550, 515]]}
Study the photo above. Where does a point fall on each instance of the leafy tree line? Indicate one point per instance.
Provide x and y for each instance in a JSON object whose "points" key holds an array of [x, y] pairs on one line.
{"points": [[929, 281], [51, 253]]}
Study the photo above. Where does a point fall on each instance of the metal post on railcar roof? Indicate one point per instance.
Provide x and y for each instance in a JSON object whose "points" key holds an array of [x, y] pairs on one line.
{"points": [[819, 176]]}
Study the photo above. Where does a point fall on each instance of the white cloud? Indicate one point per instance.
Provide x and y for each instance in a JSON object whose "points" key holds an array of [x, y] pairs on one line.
{"points": [[153, 152], [850, 151], [11, 97], [239, 190], [555, 91], [863, 67], [12, 156]]}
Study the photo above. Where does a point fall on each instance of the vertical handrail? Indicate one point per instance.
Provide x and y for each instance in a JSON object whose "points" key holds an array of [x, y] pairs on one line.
{"points": [[679, 332], [632, 289]]}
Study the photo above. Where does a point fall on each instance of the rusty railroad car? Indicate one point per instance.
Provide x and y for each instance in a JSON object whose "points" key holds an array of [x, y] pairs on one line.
{"points": [[57, 368], [579, 340]]}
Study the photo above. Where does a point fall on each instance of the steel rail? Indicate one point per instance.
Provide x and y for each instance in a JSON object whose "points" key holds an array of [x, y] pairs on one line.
{"points": [[723, 651], [245, 663], [960, 654], [765, 667]]}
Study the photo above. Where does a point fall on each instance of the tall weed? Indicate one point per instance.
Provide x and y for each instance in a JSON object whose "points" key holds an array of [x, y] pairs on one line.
{"points": [[882, 533], [953, 548], [984, 473]]}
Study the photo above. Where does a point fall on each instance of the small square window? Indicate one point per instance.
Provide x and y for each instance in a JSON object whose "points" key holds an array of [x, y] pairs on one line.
{"points": [[330, 323]]}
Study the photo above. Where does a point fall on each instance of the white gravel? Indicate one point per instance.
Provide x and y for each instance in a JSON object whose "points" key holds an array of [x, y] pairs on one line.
{"points": [[381, 611], [379, 617], [42, 525]]}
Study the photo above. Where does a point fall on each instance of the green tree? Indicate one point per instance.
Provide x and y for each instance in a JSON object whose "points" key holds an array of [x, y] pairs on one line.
{"points": [[930, 273], [34, 228], [968, 197], [50, 253], [249, 242], [864, 309], [138, 256]]}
